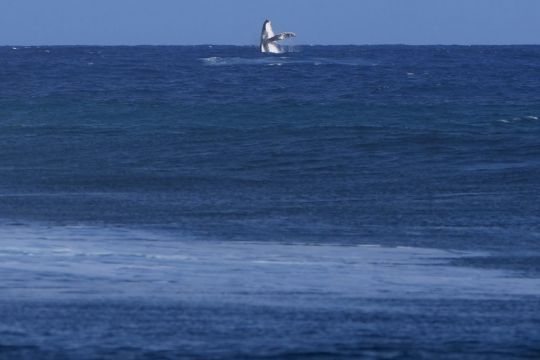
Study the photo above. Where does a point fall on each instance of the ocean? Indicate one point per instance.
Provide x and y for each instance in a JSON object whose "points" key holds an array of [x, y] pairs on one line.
{"points": [[212, 202]]}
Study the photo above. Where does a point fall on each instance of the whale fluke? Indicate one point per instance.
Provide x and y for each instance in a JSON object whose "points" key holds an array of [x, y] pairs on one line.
{"points": [[268, 38]]}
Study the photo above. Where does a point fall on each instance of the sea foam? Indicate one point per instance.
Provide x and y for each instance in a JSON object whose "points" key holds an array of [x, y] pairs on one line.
{"points": [[52, 262]]}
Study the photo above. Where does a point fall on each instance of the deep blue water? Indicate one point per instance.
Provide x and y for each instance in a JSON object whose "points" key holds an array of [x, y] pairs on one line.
{"points": [[435, 147]]}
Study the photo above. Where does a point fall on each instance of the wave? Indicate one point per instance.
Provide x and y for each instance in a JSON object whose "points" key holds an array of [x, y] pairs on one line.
{"points": [[518, 119], [53, 262], [282, 60]]}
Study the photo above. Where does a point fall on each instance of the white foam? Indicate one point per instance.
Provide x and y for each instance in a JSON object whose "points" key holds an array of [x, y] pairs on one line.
{"points": [[93, 262], [518, 120], [281, 60]]}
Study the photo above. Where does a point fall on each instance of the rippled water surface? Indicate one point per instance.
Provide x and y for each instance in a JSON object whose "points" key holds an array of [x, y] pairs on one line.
{"points": [[329, 202]]}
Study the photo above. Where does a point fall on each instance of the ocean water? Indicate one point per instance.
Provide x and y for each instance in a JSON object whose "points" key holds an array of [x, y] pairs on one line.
{"points": [[211, 202]]}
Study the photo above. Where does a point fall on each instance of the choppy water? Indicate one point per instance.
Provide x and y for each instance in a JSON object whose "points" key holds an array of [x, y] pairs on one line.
{"points": [[211, 202]]}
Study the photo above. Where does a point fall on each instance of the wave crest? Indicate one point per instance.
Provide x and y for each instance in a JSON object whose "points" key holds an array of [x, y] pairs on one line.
{"points": [[282, 60]]}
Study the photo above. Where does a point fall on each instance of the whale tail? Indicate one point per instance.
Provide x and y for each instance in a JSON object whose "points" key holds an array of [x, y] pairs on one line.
{"points": [[269, 39]]}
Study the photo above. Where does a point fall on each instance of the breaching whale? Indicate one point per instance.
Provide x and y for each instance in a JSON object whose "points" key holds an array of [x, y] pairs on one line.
{"points": [[268, 38]]}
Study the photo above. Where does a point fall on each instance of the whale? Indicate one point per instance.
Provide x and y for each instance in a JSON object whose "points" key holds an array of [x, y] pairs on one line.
{"points": [[269, 39]]}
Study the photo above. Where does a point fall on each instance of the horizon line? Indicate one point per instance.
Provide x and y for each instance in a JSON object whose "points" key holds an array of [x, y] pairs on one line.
{"points": [[246, 45]]}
